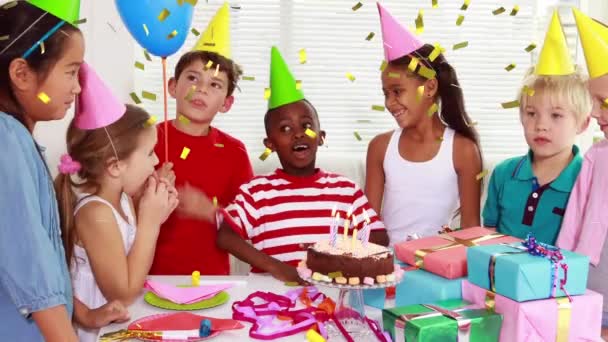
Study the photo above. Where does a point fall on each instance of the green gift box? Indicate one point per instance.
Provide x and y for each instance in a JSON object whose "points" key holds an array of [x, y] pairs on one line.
{"points": [[448, 320]]}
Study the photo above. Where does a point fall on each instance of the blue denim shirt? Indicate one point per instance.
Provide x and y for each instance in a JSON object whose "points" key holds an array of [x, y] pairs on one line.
{"points": [[33, 271]]}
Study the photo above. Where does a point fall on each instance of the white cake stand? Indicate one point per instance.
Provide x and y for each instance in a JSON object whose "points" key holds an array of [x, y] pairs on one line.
{"points": [[350, 309]]}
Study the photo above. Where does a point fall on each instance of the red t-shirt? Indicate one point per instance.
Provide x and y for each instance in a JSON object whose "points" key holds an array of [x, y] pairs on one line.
{"points": [[217, 164]]}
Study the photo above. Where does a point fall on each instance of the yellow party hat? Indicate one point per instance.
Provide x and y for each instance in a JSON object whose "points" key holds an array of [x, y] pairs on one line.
{"points": [[216, 37], [554, 58], [594, 39]]}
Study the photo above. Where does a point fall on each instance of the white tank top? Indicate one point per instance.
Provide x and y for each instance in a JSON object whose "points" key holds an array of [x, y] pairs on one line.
{"points": [[83, 280], [419, 197]]}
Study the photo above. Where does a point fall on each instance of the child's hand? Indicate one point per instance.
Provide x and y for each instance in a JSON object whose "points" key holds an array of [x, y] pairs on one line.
{"points": [[173, 198], [166, 172], [286, 273], [154, 205], [111, 312], [194, 203]]}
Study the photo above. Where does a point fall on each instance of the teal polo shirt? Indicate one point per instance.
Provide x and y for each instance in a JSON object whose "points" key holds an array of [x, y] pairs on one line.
{"points": [[517, 204]]}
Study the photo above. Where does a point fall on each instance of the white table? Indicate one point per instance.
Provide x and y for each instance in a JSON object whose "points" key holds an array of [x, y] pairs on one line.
{"points": [[243, 286]]}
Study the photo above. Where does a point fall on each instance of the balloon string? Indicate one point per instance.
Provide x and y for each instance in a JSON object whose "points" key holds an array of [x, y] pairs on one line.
{"points": [[164, 60]]}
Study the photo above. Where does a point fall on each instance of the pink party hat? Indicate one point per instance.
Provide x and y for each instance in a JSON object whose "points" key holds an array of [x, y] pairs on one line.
{"points": [[96, 106], [398, 41]]}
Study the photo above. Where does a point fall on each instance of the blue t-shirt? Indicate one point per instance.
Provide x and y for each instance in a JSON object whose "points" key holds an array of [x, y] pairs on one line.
{"points": [[33, 271]]}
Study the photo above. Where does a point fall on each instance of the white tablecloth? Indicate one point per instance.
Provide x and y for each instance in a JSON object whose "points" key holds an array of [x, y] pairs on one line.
{"points": [[243, 286]]}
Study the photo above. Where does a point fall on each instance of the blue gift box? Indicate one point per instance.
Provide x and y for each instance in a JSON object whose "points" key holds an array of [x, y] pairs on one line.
{"points": [[417, 287], [521, 276]]}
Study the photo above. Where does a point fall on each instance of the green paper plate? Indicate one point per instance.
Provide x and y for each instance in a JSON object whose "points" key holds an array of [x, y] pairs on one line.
{"points": [[216, 300]]}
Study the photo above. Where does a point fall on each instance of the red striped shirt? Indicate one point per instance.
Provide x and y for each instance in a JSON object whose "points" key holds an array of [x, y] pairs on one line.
{"points": [[281, 213]]}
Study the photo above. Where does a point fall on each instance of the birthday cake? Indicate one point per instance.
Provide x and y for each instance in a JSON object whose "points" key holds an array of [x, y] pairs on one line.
{"points": [[348, 263]]}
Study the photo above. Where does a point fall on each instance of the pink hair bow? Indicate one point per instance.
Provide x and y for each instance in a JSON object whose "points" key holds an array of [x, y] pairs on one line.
{"points": [[67, 165]]}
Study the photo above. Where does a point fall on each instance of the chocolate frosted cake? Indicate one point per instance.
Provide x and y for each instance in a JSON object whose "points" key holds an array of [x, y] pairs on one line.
{"points": [[348, 263]]}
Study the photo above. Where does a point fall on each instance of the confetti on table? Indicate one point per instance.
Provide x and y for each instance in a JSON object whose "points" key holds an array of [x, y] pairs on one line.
{"points": [[435, 3], [370, 36], [350, 76], [80, 21], [267, 92], [298, 84], [183, 119], [394, 75], [435, 53], [140, 65], [148, 95], [420, 22], [42, 96], [378, 108], [514, 10], [530, 47], [302, 56], [147, 55], [459, 20], [185, 153], [499, 10], [529, 91], [151, 121], [460, 45], [163, 15], [5, 37], [510, 67], [172, 34], [195, 32], [426, 72], [312, 134], [146, 29], [265, 154], [248, 78], [481, 175], [465, 5], [219, 145], [433, 109], [357, 135], [209, 64], [511, 104], [413, 64], [419, 93], [357, 6], [135, 98], [383, 65]]}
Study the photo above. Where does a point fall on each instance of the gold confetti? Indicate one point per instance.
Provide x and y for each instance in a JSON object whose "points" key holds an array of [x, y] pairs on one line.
{"points": [[465, 5], [394, 75], [420, 22], [460, 45], [192, 2], [148, 95], [163, 15], [185, 153], [195, 32], [217, 70], [514, 11], [511, 104], [370, 36], [357, 135], [5, 37], [530, 47], [435, 53], [510, 67], [440, 139], [9, 5], [190, 93], [499, 10], [597, 139], [267, 93], [350, 76], [529, 91], [80, 21], [42, 96], [433, 109], [140, 65], [147, 55], [291, 283], [472, 124], [215, 201], [135, 98], [42, 48], [183, 119], [357, 6], [146, 29], [426, 72], [208, 65], [302, 56], [413, 64], [265, 154], [383, 65], [435, 3], [419, 93], [312, 134], [378, 108], [481, 175], [172, 34], [219, 145], [248, 78], [151, 121], [298, 84], [459, 20]]}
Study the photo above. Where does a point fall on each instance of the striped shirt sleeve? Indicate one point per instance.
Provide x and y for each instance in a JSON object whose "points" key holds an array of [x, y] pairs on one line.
{"points": [[244, 213]]}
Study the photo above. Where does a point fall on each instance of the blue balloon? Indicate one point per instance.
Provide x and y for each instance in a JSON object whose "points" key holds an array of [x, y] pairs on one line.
{"points": [[161, 38]]}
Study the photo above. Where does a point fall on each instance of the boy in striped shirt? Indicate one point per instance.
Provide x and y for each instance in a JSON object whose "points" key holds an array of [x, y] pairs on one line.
{"points": [[285, 211]]}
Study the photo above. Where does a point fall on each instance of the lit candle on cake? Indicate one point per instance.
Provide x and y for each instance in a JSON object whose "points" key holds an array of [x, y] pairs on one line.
{"points": [[354, 239], [366, 228], [332, 225], [334, 231], [347, 224]]}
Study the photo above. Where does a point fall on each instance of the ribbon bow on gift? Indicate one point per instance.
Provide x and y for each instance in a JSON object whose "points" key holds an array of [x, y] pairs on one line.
{"points": [[464, 324]]}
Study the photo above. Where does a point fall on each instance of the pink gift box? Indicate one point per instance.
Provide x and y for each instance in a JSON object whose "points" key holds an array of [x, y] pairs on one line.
{"points": [[446, 254], [537, 321]]}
